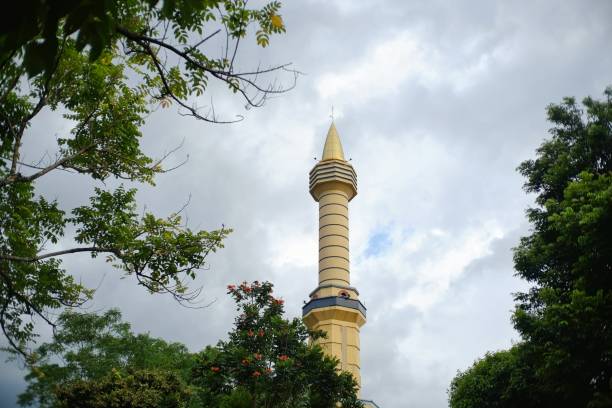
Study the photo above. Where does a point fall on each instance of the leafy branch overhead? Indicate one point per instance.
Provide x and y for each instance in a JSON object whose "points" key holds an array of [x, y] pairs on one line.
{"points": [[159, 252], [105, 66]]}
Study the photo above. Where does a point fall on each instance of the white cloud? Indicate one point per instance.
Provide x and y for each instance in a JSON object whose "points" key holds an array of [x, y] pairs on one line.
{"points": [[408, 56], [380, 70], [423, 264], [445, 259]]}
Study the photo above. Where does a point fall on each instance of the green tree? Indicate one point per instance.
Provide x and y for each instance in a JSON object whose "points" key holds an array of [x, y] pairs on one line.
{"points": [[139, 389], [565, 320], [266, 362], [105, 66], [90, 350], [498, 380]]}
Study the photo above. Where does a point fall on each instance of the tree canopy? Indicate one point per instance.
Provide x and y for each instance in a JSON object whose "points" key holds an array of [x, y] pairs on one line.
{"points": [[267, 362], [96, 361], [102, 348], [565, 320], [500, 379], [104, 66]]}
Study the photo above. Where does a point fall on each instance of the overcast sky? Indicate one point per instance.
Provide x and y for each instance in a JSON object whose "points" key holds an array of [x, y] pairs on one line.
{"points": [[436, 102]]}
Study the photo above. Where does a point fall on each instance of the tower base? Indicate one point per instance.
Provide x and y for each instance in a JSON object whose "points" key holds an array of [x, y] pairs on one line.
{"points": [[340, 318]]}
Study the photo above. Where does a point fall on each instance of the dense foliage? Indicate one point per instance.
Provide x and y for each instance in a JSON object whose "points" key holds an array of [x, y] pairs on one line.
{"points": [[136, 389], [565, 320], [102, 348], [104, 66], [499, 379], [266, 362]]}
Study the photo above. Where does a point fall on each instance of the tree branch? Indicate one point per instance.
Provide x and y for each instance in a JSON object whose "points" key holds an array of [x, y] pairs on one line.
{"points": [[193, 47], [42, 101], [58, 253], [164, 80], [17, 177], [221, 75], [20, 178], [9, 88], [24, 123]]}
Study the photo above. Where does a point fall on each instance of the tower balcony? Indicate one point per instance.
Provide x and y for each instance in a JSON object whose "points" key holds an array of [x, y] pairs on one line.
{"points": [[333, 174], [334, 308]]}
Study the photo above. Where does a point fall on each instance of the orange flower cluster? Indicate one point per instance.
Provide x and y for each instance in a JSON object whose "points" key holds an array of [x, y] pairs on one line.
{"points": [[245, 287], [283, 357], [215, 369]]}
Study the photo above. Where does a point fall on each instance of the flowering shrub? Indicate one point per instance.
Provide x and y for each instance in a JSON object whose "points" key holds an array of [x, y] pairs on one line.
{"points": [[267, 360]]}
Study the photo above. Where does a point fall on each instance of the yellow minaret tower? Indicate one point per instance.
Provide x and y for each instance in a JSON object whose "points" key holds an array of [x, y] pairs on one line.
{"points": [[334, 306]]}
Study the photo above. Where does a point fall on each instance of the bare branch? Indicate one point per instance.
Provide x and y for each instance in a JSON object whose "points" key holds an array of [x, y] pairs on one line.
{"points": [[193, 47], [185, 205], [9, 338], [17, 177], [168, 90], [42, 101], [58, 253], [29, 305], [225, 76], [20, 178], [37, 167], [181, 164], [24, 123], [165, 156]]}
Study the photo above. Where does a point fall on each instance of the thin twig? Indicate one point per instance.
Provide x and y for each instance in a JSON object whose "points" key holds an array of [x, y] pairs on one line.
{"points": [[193, 47]]}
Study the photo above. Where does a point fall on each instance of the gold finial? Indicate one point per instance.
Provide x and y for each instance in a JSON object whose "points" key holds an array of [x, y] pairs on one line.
{"points": [[333, 148]]}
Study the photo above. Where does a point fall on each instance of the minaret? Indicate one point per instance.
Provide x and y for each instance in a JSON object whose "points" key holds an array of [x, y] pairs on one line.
{"points": [[334, 306]]}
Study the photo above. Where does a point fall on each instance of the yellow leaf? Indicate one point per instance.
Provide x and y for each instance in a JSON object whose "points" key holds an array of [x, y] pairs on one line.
{"points": [[276, 20]]}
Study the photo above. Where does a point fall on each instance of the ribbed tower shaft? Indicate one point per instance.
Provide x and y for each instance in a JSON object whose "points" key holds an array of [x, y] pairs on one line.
{"points": [[333, 238], [334, 306]]}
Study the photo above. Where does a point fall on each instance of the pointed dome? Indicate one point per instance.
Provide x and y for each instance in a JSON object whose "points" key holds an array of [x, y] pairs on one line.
{"points": [[333, 147]]}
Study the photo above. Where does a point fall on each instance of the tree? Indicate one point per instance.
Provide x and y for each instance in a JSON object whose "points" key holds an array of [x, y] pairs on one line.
{"points": [[266, 362], [139, 389], [503, 379], [105, 66], [565, 320], [90, 350]]}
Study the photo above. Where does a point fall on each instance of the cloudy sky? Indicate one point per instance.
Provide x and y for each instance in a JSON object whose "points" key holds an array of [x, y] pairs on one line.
{"points": [[436, 102]]}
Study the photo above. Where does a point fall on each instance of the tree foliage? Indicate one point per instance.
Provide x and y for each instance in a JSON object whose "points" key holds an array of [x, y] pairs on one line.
{"points": [[139, 389], [565, 320], [104, 66], [498, 380], [266, 362], [102, 350]]}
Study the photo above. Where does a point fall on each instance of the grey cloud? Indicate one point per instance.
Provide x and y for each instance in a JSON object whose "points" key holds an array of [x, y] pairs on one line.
{"points": [[446, 162]]}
